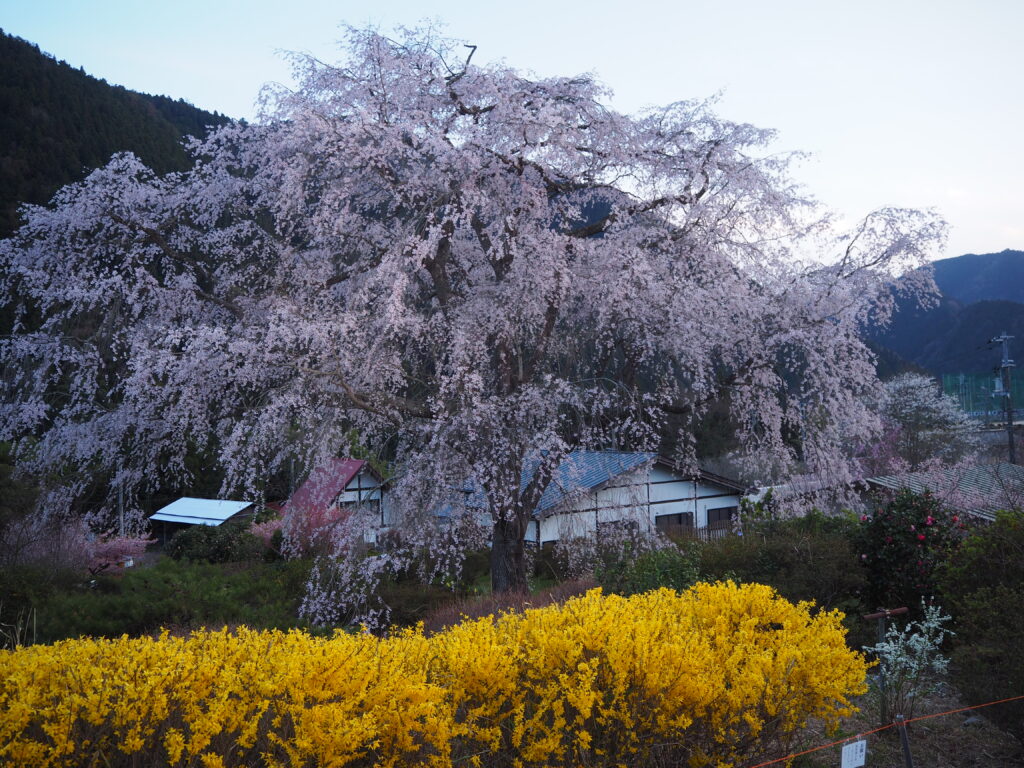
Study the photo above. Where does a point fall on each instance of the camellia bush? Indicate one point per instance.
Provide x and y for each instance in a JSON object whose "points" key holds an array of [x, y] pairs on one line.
{"points": [[716, 675], [903, 544]]}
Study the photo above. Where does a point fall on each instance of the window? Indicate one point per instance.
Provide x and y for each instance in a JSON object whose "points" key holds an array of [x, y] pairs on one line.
{"points": [[721, 519], [674, 523]]}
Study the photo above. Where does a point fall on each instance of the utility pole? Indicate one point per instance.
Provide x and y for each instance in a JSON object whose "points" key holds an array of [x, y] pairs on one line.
{"points": [[1003, 389], [120, 501]]}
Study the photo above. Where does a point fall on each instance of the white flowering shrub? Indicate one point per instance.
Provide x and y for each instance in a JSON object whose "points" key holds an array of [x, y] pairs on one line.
{"points": [[910, 664]]}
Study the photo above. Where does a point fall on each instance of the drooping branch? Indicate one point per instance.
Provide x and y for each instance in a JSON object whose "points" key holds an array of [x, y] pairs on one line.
{"points": [[381, 404], [160, 241]]}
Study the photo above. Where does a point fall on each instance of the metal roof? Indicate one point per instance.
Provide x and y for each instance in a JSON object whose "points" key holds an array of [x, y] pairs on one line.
{"points": [[200, 511], [324, 485], [981, 490]]}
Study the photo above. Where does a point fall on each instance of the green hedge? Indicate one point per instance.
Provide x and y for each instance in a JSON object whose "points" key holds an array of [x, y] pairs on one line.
{"points": [[226, 543], [805, 558], [983, 587], [176, 594]]}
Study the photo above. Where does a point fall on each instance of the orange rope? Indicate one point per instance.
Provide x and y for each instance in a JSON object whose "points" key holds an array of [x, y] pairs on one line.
{"points": [[964, 709], [823, 746], [882, 728]]}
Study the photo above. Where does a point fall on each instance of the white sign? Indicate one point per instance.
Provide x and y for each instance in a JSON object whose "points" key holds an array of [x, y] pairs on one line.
{"points": [[854, 754]]}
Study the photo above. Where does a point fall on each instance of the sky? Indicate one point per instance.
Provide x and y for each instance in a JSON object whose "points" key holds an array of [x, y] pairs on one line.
{"points": [[912, 103]]}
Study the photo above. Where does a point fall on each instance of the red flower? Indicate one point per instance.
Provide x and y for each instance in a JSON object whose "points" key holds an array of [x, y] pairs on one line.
{"points": [[920, 537]]}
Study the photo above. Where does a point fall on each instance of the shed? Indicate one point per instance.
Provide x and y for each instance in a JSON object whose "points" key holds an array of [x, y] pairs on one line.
{"points": [[188, 511]]}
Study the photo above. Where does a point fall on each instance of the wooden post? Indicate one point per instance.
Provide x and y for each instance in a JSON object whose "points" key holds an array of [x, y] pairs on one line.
{"points": [[880, 617], [901, 726]]}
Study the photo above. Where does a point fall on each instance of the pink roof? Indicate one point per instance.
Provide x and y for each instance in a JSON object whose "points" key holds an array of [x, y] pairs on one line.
{"points": [[324, 485]]}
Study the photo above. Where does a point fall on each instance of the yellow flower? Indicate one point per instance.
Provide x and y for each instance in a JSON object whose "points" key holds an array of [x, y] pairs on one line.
{"points": [[711, 676]]}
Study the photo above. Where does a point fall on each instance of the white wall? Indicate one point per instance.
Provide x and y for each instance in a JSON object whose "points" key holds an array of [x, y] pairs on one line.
{"points": [[366, 490], [639, 498]]}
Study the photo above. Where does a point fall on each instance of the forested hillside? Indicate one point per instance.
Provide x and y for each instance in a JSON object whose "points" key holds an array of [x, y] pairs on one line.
{"points": [[57, 123], [982, 295]]}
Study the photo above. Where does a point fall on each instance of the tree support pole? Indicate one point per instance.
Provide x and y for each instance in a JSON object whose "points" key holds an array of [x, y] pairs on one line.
{"points": [[880, 617]]}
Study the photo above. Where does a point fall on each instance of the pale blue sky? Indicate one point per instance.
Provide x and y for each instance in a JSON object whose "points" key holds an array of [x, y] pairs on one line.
{"points": [[915, 103]]}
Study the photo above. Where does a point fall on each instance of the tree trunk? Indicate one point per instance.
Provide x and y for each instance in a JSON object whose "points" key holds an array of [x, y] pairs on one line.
{"points": [[508, 561]]}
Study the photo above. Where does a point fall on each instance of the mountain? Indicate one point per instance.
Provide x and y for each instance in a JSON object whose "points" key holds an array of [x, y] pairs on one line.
{"points": [[982, 295], [57, 123], [982, 277]]}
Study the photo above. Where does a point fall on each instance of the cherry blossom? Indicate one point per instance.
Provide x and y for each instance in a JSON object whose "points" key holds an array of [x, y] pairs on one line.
{"points": [[475, 270]]}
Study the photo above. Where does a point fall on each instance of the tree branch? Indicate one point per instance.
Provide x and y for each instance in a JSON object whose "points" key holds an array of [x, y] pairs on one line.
{"points": [[365, 401], [161, 242]]}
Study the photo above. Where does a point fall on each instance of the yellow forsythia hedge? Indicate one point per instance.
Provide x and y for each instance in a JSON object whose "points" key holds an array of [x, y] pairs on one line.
{"points": [[713, 676]]}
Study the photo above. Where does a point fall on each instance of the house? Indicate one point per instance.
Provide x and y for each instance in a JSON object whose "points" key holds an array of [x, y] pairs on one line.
{"points": [[188, 511], [592, 491], [980, 491], [336, 485]]}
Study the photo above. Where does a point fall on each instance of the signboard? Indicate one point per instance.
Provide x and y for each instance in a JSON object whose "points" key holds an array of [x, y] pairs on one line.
{"points": [[854, 754]]}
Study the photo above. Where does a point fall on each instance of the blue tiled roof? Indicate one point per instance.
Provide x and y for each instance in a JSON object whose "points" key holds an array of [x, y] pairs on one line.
{"points": [[579, 471], [585, 470]]}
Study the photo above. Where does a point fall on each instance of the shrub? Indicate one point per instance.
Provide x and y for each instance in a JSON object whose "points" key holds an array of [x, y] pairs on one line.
{"points": [[25, 586], [983, 585], [990, 556], [227, 543], [675, 567], [716, 675], [903, 545], [909, 662], [176, 594], [804, 558]]}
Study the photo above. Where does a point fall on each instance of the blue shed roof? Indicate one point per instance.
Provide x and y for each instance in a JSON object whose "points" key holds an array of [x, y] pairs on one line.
{"points": [[200, 511]]}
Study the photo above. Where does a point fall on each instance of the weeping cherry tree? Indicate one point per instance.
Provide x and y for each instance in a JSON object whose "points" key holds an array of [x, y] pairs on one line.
{"points": [[475, 271]]}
